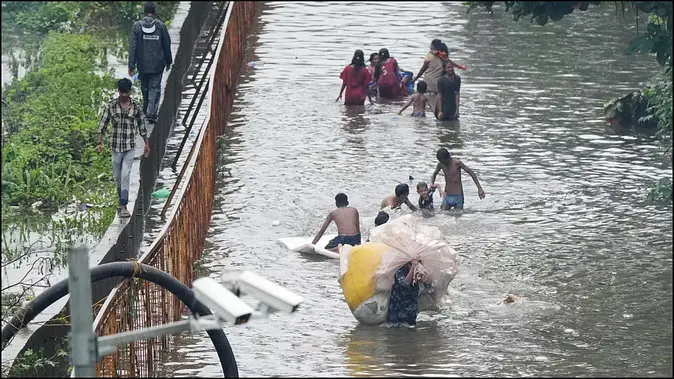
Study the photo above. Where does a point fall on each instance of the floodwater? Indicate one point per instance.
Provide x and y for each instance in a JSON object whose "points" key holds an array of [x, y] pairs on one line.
{"points": [[564, 224]]}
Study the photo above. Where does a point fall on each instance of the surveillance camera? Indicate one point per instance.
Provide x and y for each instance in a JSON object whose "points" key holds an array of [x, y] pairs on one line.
{"points": [[271, 294], [221, 301]]}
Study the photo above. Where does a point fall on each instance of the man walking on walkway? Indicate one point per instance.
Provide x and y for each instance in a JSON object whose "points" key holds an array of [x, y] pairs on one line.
{"points": [[124, 112], [150, 50]]}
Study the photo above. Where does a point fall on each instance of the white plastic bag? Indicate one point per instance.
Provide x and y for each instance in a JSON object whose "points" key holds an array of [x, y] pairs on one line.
{"points": [[405, 239], [409, 239]]}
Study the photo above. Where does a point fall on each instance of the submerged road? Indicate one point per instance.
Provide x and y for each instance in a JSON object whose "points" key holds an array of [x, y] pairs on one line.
{"points": [[564, 223]]}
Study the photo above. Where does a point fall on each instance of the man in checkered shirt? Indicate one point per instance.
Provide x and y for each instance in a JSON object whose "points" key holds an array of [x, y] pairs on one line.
{"points": [[124, 112]]}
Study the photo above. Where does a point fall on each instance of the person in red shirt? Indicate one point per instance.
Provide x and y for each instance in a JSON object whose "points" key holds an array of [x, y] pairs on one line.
{"points": [[356, 79], [387, 77]]}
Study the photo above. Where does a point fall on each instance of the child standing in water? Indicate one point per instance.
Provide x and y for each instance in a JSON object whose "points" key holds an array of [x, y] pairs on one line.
{"points": [[347, 220], [426, 195], [420, 101]]}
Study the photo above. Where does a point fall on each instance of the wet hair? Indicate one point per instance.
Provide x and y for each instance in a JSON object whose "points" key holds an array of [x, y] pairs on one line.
{"points": [[358, 60], [437, 44], [382, 218], [150, 8], [372, 57], [402, 190], [384, 54], [341, 200], [124, 85], [444, 48], [422, 185], [421, 86], [443, 155]]}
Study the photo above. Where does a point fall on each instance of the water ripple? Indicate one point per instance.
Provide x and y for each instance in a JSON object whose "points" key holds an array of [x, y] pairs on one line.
{"points": [[564, 223]]}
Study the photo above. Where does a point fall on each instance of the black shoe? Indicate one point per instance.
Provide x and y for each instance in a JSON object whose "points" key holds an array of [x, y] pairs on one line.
{"points": [[152, 120]]}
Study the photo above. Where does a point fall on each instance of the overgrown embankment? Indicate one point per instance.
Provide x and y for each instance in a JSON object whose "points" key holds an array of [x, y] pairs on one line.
{"points": [[49, 128], [50, 116]]}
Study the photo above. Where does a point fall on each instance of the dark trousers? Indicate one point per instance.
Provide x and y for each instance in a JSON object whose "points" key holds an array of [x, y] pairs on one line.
{"points": [[150, 85]]}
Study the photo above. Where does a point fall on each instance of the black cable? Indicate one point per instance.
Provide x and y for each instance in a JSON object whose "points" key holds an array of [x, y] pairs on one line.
{"points": [[127, 270]]}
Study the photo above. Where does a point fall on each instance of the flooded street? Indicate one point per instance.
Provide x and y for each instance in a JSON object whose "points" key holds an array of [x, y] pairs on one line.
{"points": [[564, 223]]}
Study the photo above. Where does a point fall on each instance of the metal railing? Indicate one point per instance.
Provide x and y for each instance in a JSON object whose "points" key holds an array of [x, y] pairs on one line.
{"points": [[137, 304]]}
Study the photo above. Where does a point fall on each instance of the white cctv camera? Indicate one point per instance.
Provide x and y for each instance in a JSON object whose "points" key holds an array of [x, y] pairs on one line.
{"points": [[226, 305], [270, 294]]}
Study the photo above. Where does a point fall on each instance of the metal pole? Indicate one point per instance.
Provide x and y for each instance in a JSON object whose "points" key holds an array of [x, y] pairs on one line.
{"points": [[82, 337], [108, 344]]}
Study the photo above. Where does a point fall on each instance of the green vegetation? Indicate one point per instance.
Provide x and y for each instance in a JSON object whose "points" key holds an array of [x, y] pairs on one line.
{"points": [[31, 363], [80, 16], [49, 129], [50, 116], [651, 106]]}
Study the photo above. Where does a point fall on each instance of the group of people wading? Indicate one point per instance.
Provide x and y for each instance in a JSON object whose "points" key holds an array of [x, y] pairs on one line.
{"points": [[384, 79]]}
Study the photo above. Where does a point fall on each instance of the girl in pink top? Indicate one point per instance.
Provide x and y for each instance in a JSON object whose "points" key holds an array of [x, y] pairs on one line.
{"points": [[356, 79], [387, 76]]}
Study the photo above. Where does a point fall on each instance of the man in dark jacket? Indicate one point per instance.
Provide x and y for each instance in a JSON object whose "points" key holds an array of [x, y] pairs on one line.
{"points": [[150, 50]]}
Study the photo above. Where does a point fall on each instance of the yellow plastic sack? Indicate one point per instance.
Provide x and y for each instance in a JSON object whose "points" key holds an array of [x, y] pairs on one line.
{"points": [[361, 264]]}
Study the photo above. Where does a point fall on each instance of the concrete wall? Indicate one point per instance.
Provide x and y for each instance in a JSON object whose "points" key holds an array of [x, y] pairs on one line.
{"points": [[123, 238]]}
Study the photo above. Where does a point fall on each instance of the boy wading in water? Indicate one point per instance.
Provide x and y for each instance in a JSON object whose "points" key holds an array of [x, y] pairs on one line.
{"points": [[402, 193], [453, 188], [348, 225], [420, 102], [125, 114]]}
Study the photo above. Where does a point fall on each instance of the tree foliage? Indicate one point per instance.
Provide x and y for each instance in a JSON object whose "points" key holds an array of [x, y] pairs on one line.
{"points": [[67, 16], [660, 191]]}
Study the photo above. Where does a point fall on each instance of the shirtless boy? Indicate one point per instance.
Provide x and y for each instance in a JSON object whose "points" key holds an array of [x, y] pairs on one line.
{"points": [[453, 188], [348, 225], [402, 193], [420, 101]]}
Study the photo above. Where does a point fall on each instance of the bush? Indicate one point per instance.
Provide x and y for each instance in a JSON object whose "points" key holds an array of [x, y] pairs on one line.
{"points": [[52, 119], [660, 103], [50, 116], [660, 192]]}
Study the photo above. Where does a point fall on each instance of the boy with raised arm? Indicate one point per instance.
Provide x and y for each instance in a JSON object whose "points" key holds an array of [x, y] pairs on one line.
{"points": [[453, 188], [347, 220]]}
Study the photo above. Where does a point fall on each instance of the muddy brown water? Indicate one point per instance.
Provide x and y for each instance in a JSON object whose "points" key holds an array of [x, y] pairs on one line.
{"points": [[564, 223]]}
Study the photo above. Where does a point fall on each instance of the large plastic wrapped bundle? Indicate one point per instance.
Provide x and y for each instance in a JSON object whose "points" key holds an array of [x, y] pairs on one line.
{"points": [[367, 271]]}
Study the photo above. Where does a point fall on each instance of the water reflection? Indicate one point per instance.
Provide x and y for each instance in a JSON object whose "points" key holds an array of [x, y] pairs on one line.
{"points": [[449, 134], [382, 351], [354, 118]]}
